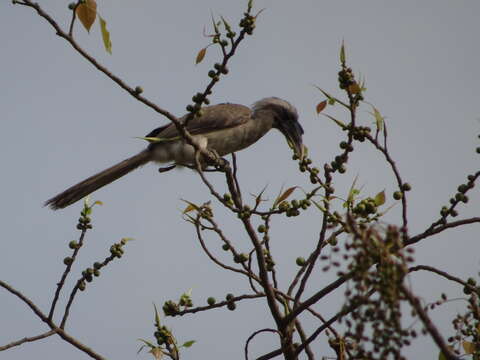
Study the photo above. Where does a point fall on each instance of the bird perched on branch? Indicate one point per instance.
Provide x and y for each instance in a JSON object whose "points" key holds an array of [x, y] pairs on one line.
{"points": [[222, 128]]}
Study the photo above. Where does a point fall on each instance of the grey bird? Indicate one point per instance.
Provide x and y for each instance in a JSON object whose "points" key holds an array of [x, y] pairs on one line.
{"points": [[222, 128]]}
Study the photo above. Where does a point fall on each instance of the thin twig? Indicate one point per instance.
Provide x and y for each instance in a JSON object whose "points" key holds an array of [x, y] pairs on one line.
{"points": [[235, 171], [435, 334], [210, 255], [61, 283], [219, 304], [74, 16], [396, 172], [75, 289], [255, 334], [433, 231], [27, 339], [316, 297], [303, 337], [50, 323], [441, 273]]}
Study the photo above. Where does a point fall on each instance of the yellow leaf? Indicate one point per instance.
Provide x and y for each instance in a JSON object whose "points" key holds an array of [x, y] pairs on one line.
{"points": [[469, 347], [98, 202], [190, 207], [380, 198], [321, 106], [105, 35], [200, 55], [379, 119], [284, 196], [87, 12]]}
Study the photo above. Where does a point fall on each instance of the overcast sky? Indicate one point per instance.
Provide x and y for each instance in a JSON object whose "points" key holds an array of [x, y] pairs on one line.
{"points": [[62, 121]]}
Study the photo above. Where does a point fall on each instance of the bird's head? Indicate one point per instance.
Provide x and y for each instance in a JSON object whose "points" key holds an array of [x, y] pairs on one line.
{"points": [[285, 119]]}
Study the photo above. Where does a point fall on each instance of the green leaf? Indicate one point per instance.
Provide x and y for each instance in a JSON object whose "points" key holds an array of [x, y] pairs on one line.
{"points": [[258, 198], [342, 54], [226, 24], [331, 99], [352, 193], [187, 344], [284, 196], [200, 55], [379, 119], [147, 343], [380, 198], [319, 207], [105, 35], [338, 122], [157, 316]]}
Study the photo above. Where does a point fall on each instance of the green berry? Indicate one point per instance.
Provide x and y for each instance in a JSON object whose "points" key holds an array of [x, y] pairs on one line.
{"points": [[229, 297], [406, 187], [397, 195], [71, 6], [471, 281], [138, 90], [68, 260], [211, 301], [226, 247], [300, 261], [261, 228], [231, 306], [72, 244]]}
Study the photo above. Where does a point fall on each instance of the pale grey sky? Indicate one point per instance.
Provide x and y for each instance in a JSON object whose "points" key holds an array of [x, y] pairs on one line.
{"points": [[63, 121]]}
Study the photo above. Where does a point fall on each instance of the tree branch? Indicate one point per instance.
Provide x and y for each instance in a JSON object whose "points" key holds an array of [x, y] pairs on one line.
{"points": [[441, 228], [27, 339], [415, 303]]}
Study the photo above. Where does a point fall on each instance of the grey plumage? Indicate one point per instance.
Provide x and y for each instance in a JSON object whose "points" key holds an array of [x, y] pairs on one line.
{"points": [[225, 128]]}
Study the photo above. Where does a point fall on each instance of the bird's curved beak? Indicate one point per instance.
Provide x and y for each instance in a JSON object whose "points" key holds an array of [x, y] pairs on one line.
{"points": [[293, 132]]}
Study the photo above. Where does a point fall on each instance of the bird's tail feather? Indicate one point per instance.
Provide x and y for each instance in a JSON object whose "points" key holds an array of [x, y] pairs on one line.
{"points": [[95, 182]]}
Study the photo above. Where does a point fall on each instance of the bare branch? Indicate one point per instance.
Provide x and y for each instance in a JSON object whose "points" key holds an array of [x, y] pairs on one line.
{"points": [[441, 273], [436, 336], [27, 339], [219, 304], [436, 230], [65, 274], [255, 334]]}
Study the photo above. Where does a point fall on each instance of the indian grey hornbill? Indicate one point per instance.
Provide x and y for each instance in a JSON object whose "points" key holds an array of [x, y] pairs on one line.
{"points": [[222, 128]]}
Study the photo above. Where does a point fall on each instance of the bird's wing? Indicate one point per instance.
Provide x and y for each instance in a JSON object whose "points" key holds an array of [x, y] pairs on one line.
{"points": [[214, 118]]}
